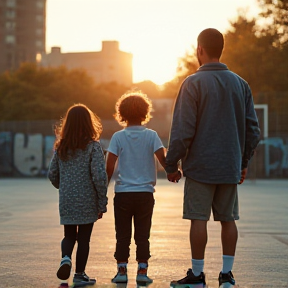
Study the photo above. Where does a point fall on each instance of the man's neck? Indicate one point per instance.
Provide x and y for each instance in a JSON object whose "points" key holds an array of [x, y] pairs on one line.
{"points": [[213, 60]]}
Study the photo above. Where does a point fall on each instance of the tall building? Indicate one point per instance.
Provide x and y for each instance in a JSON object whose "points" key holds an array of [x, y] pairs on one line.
{"points": [[108, 65], [22, 32]]}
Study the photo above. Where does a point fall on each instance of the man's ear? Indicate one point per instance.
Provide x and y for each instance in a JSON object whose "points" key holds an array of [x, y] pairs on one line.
{"points": [[200, 50]]}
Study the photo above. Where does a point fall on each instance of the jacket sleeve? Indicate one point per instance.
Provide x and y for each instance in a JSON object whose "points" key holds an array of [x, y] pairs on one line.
{"points": [[53, 172], [99, 176], [252, 137], [183, 126]]}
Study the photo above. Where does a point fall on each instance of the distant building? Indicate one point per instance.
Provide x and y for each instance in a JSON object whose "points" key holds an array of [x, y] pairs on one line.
{"points": [[22, 32], [108, 65]]}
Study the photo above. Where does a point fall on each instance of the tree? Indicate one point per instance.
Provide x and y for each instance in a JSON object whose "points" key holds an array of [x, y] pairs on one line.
{"points": [[275, 12], [148, 87], [38, 93], [188, 64]]}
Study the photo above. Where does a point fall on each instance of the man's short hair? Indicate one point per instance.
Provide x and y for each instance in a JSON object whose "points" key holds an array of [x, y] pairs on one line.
{"points": [[212, 41]]}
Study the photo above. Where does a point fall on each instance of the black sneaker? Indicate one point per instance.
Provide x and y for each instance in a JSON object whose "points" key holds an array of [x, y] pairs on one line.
{"points": [[121, 276], [82, 280], [190, 279], [63, 272], [226, 278]]}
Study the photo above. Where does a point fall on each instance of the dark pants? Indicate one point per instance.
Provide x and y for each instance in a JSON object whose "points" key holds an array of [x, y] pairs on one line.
{"points": [[139, 206], [81, 234]]}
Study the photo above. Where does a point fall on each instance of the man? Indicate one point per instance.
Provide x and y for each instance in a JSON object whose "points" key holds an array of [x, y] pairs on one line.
{"points": [[214, 133]]}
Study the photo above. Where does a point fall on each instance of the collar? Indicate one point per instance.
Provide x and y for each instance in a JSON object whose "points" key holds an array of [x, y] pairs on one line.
{"points": [[135, 128], [212, 66]]}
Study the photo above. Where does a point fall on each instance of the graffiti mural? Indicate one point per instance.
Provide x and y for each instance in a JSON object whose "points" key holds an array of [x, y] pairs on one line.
{"points": [[27, 154], [6, 162], [276, 156], [30, 155]]}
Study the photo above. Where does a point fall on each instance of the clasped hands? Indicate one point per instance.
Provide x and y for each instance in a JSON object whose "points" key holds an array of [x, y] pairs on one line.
{"points": [[174, 177]]}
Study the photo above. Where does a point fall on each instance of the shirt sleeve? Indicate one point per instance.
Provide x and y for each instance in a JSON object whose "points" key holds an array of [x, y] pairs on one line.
{"points": [[252, 130], [114, 145], [99, 176], [157, 142], [183, 125], [53, 171]]}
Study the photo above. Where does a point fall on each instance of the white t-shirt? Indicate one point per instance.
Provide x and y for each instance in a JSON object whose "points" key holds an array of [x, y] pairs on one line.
{"points": [[136, 169]]}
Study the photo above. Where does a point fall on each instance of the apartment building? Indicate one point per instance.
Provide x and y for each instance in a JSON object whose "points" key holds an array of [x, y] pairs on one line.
{"points": [[108, 65], [22, 32]]}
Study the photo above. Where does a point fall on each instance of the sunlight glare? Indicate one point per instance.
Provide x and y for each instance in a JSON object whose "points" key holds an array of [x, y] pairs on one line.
{"points": [[156, 32]]}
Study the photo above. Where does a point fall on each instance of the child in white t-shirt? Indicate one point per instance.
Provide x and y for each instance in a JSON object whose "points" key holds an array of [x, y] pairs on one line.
{"points": [[134, 148]]}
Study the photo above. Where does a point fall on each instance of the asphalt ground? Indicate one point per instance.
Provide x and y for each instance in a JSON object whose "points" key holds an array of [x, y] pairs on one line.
{"points": [[30, 236]]}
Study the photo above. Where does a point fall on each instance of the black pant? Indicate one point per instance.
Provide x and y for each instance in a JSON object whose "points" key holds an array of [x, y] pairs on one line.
{"points": [[137, 205], [81, 234]]}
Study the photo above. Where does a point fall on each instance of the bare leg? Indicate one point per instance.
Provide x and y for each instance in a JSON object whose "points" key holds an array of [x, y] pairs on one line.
{"points": [[198, 238], [229, 236]]}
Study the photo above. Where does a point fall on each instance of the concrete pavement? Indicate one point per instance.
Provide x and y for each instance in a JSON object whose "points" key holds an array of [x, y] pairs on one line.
{"points": [[30, 237]]}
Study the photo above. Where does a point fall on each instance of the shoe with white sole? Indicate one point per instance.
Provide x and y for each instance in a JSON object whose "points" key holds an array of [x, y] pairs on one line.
{"points": [[64, 270]]}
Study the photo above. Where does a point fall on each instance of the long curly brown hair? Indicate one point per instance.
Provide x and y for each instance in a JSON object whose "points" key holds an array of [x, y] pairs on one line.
{"points": [[79, 126]]}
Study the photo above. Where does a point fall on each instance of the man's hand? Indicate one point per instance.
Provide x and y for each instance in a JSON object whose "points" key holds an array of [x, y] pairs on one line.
{"points": [[174, 177], [243, 175]]}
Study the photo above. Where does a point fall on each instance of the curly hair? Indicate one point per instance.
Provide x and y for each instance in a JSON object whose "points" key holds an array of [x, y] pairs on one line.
{"points": [[133, 107], [79, 126]]}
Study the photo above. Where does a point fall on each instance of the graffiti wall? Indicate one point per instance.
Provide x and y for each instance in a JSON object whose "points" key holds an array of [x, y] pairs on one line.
{"points": [[30, 154], [276, 157], [25, 155]]}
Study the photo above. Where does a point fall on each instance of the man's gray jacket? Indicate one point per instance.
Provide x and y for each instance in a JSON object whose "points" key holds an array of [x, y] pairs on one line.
{"points": [[215, 128]]}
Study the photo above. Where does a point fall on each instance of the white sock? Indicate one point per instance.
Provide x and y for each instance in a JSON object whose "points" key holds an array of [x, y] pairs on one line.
{"points": [[197, 266], [227, 263]]}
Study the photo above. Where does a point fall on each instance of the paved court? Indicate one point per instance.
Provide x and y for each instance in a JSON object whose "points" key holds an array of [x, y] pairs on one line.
{"points": [[30, 237]]}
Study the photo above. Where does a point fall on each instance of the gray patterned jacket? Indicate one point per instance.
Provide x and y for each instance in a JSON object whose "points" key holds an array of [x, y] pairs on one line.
{"points": [[82, 184]]}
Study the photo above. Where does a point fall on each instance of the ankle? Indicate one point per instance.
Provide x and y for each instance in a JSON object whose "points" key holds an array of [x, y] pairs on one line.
{"points": [[142, 265], [122, 264], [197, 266]]}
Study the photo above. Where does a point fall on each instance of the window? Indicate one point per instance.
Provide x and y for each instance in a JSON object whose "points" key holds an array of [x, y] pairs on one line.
{"points": [[10, 3], [10, 25], [10, 14], [38, 57], [39, 44], [39, 4], [39, 32], [39, 18], [10, 39]]}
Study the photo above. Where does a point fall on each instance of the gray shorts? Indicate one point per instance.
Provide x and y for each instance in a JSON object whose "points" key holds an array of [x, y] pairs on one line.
{"points": [[200, 198]]}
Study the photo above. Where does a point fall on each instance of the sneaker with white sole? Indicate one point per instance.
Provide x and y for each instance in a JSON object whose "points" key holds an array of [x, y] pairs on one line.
{"points": [[142, 276], [81, 279], [190, 280], [64, 270], [121, 276], [226, 280]]}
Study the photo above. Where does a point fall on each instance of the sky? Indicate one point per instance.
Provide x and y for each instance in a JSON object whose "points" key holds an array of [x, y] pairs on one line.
{"points": [[156, 32]]}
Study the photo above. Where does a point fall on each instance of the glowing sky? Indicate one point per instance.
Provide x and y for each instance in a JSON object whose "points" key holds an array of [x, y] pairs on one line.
{"points": [[156, 32]]}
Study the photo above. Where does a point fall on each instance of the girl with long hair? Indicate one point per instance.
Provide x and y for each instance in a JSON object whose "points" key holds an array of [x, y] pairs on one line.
{"points": [[77, 169]]}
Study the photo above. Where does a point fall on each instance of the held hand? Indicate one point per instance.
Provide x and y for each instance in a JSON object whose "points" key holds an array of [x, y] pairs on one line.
{"points": [[100, 215], [243, 175], [174, 177]]}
